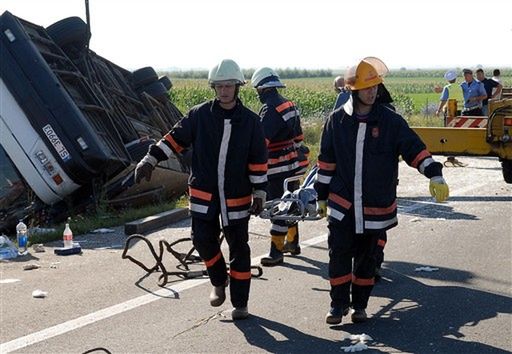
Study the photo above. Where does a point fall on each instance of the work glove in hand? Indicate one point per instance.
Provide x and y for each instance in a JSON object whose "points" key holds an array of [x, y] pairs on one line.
{"points": [[439, 189], [143, 170], [258, 201], [321, 208]]}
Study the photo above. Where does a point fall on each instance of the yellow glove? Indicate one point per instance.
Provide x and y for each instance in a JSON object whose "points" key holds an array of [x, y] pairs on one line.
{"points": [[321, 208], [439, 189]]}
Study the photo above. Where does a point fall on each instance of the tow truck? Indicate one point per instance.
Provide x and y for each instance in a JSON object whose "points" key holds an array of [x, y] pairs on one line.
{"points": [[475, 136]]}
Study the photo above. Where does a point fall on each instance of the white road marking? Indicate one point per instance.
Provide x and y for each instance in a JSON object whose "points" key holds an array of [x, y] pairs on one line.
{"points": [[93, 317]]}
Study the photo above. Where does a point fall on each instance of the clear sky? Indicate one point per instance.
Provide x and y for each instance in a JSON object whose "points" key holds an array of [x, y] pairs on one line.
{"points": [[288, 33]]}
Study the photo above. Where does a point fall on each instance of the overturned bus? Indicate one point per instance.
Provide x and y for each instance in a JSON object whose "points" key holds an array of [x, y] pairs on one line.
{"points": [[73, 124]]}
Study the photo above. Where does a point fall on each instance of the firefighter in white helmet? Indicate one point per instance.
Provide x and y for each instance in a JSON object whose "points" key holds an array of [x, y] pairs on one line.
{"points": [[356, 185], [229, 172], [287, 156]]}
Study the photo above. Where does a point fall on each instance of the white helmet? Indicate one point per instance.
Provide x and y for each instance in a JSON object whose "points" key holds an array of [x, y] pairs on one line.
{"points": [[226, 70], [450, 75], [265, 78]]}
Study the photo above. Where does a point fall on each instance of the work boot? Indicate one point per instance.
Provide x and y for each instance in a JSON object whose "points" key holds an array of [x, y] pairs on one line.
{"points": [[218, 295], [239, 313], [275, 256], [359, 316], [335, 314], [292, 241]]}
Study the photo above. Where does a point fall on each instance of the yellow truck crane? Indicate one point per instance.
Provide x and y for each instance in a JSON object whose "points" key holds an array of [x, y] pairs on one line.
{"points": [[486, 136]]}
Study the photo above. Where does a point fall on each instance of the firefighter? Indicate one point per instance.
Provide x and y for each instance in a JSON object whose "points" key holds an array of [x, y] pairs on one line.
{"points": [[287, 156], [356, 185], [229, 171]]}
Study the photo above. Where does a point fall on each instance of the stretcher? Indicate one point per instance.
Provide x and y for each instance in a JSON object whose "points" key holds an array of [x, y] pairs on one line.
{"points": [[293, 206]]}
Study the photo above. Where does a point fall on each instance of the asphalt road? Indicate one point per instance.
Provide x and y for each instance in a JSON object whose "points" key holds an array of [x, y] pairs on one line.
{"points": [[99, 300]]}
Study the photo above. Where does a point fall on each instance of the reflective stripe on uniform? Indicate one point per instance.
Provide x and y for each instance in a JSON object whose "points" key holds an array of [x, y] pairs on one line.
{"points": [[338, 215], [235, 215], [380, 211], [221, 169], [286, 168], [284, 105], [258, 179], [239, 275], [422, 155], [290, 115], [258, 167], [323, 179], [234, 202], [340, 200], [163, 146], [377, 225], [198, 208], [358, 179], [363, 281], [209, 263], [196, 193], [326, 166], [341, 280], [177, 147]]}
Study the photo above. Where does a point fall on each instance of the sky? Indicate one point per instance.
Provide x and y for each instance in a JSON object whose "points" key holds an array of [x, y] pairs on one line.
{"points": [[318, 34]]}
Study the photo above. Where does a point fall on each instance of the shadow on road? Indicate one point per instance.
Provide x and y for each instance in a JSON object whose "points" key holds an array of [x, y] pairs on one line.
{"points": [[416, 318]]}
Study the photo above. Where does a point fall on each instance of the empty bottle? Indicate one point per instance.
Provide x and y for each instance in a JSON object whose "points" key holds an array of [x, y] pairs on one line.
{"points": [[67, 237], [22, 237]]}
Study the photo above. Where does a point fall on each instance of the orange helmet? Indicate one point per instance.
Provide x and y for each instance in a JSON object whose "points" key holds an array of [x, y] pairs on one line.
{"points": [[362, 76]]}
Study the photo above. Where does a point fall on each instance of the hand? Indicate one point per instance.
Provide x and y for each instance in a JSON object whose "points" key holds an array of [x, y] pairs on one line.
{"points": [[143, 170], [439, 189], [321, 208], [257, 206]]}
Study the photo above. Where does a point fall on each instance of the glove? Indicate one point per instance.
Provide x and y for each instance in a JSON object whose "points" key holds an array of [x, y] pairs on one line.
{"points": [[145, 168], [321, 208], [439, 189], [258, 201]]}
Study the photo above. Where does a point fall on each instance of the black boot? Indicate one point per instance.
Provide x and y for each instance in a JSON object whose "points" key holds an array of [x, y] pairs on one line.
{"points": [[275, 256]]}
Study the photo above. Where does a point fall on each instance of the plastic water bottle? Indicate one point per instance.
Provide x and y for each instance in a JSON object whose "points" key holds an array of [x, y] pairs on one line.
{"points": [[67, 237], [22, 237], [7, 248]]}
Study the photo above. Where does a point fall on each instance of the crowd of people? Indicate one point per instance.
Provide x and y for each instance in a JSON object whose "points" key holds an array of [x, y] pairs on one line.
{"points": [[240, 159], [476, 93]]}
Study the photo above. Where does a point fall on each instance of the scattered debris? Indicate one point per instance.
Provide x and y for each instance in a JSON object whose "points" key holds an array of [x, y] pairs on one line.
{"points": [[426, 269], [360, 345], [38, 248], [31, 266], [415, 219], [9, 281], [39, 294], [102, 231], [54, 265], [359, 337], [355, 348]]}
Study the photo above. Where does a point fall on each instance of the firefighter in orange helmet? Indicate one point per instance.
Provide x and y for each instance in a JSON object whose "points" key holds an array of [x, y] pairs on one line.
{"points": [[356, 185]]}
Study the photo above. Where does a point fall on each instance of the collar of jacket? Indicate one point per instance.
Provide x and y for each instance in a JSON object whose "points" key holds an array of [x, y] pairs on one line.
{"points": [[348, 107], [215, 108]]}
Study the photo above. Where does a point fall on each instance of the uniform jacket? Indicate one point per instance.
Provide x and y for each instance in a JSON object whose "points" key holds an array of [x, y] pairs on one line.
{"points": [[283, 132], [358, 166], [229, 159]]}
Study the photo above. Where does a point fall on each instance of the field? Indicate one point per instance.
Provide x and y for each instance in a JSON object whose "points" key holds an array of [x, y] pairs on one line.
{"points": [[414, 97]]}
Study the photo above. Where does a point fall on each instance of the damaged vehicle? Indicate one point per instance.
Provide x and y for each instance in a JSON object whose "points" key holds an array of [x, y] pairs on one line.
{"points": [[73, 124]]}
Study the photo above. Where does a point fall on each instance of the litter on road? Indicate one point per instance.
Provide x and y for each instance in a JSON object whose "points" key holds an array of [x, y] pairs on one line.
{"points": [[38, 248], [31, 266], [355, 348], [102, 231], [39, 294], [426, 269]]}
